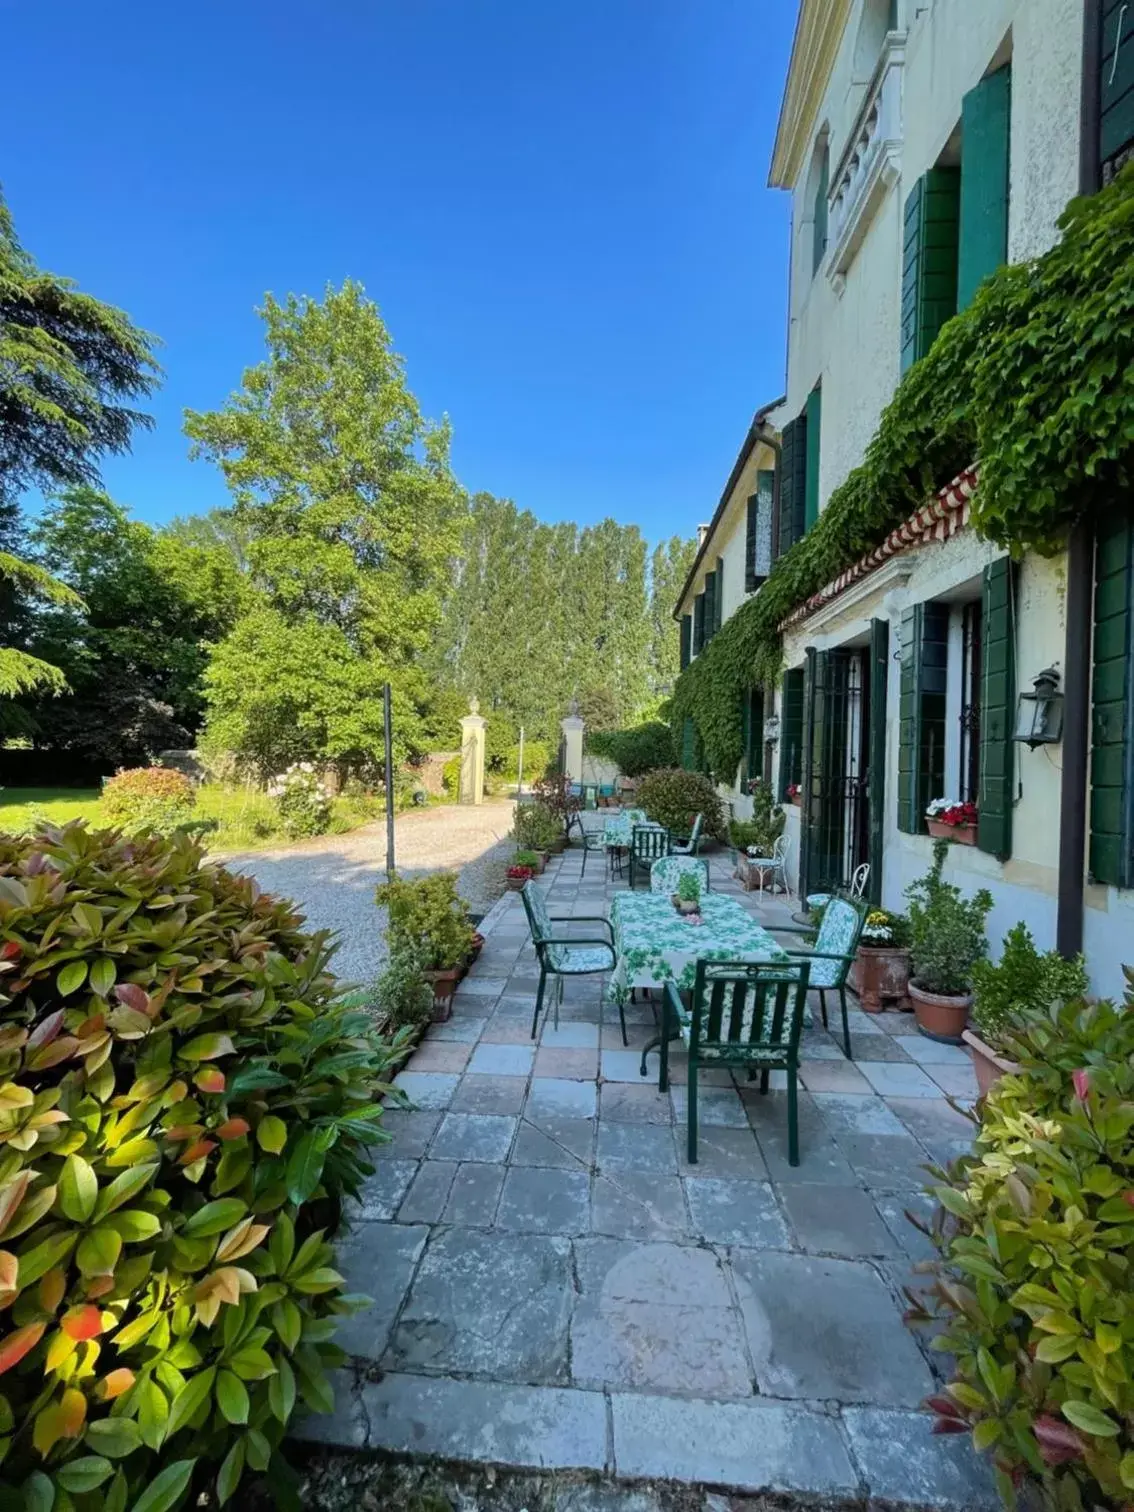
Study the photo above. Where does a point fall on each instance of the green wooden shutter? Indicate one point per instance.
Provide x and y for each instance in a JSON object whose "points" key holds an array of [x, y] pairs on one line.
{"points": [[720, 592], [698, 623], [985, 130], [929, 260], [1116, 85], [1112, 710], [815, 675], [997, 708], [710, 607], [793, 484], [686, 639], [921, 714], [819, 237], [787, 483], [750, 543], [823, 799], [876, 780], [811, 492], [791, 730]]}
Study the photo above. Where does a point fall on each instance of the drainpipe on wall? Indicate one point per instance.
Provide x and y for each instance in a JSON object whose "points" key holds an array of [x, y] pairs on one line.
{"points": [[1074, 796]]}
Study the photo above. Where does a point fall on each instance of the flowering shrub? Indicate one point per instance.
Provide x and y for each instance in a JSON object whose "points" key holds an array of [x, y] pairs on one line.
{"points": [[520, 873], [148, 798], [179, 1095], [1037, 1251], [882, 928], [792, 792], [303, 801], [952, 811]]}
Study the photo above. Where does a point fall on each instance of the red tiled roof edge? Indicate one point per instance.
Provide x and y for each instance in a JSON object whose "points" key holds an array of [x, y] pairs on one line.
{"points": [[942, 517]]}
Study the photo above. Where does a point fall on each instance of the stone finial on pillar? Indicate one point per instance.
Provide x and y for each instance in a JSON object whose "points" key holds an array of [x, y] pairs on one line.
{"points": [[473, 725]]}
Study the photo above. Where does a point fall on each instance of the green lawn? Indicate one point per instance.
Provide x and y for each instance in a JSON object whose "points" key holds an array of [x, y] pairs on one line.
{"points": [[246, 818]]}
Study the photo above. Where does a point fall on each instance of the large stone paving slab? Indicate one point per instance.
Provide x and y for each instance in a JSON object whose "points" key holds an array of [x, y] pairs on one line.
{"points": [[492, 1305], [376, 1260], [656, 1317], [636, 1205], [826, 1330], [903, 1461]]}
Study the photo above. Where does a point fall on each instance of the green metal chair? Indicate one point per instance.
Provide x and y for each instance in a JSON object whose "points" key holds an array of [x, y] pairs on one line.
{"points": [[647, 845], [690, 846], [561, 956], [831, 956], [741, 1013], [593, 840]]}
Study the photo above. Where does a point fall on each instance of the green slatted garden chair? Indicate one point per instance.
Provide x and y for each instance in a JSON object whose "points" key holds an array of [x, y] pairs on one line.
{"points": [[647, 845], [593, 840], [664, 874], [835, 948], [740, 1013], [561, 956]]}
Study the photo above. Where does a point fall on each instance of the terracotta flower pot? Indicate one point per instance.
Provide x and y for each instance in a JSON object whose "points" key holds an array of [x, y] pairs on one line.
{"points": [[516, 884], [989, 1066], [683, 905], [880, 974], [444, 984], [938, 1017], [959, 834]]}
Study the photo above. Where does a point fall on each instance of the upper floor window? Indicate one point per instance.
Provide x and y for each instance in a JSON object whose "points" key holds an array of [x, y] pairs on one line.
{"points": [[820, 184]]}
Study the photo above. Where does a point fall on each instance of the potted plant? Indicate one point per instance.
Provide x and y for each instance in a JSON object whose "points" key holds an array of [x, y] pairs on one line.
{"points": [[792, 793], [949, 819], [402, 995], [538, 828], [880, 972], [687, 897], [516, 876], [947, 938], [428, 917], [535, 859], [1022, 982]]}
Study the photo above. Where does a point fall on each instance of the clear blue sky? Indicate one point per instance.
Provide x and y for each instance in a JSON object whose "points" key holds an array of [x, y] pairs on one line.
{"points": [[560, 208]]}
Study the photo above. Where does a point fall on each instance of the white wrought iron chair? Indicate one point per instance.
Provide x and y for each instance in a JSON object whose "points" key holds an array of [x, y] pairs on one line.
{"points": [[774, 866], [857, 889]]}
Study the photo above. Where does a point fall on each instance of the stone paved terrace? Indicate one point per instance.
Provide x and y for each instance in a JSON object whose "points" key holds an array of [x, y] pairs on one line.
{"points": [[554, 1286]]}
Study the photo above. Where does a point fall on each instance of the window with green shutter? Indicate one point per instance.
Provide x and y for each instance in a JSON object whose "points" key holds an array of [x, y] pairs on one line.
{"points": [[1112, 710], [921, 713], [929, 260], [997, 708], [698, 623], [1116, 87], [793, 483], [758, 532], [823, 799], [876, 778], [819, 210], [752, 732], [686, 639], [811, 488], [791, 730], [710, 628], [720, 592], [983, 218]]}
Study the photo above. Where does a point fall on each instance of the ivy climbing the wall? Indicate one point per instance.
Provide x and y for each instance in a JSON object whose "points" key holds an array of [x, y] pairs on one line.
{"points": [[1032, 380]]}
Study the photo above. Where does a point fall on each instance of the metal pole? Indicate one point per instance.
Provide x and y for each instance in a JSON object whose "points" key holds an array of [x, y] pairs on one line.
{"points": [[520, 766], [388, 732]]}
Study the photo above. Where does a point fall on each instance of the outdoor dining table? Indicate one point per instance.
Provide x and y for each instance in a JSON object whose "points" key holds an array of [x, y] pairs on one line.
{"points": [[616, 830], [654, 944]]}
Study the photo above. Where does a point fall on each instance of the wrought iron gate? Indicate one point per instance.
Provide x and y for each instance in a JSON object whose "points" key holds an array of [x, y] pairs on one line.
{"points": [[836, 822]]}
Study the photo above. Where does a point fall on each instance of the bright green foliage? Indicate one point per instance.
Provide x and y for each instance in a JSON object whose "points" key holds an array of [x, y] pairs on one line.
{"points": [[766, 825], [177, 1087], [669, 567], [634, 751], [1030, 380], [402, 995], [303, 802], [148, 798], [536, 827], [351, 517], [947, 930], [428, 918], [1035, 1279], [674, 797], [689, 887], [1022, 982]]}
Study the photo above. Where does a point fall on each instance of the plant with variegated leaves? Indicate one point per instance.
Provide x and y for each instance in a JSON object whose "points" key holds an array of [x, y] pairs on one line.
{"points": [[183, 1104], [1036, 1280]]}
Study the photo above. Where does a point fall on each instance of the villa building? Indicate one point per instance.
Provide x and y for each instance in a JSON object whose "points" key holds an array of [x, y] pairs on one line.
{"points": [[924, 143]]}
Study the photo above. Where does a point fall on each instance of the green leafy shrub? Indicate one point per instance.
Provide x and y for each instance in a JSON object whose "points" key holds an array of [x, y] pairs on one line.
{"points": [[401, 994], [537, 755], [148, 798], [179, 1094], [451, 776], [527, 858], [637, 750], [1036, 1238], [689, 887], [429, 919], [1023, 981], [302, 800], [674, 797], [536, 827], [553, 791], [766, 825], [947, 930]]}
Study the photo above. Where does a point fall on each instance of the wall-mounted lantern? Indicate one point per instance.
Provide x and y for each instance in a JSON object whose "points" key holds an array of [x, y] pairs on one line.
{"points": [[1039, 714]]}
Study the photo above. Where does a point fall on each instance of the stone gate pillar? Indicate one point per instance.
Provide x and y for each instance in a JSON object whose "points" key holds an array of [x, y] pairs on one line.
{"points": [[572, 728], [471, 789]]}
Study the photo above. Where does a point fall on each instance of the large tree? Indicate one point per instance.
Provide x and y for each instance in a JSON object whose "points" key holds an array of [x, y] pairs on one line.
{"points": [[71, 368], [669, 567], [350, 517]]}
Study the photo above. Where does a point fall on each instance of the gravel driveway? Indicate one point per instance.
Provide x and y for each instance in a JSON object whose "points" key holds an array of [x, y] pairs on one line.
{"points": [[333, 878]]}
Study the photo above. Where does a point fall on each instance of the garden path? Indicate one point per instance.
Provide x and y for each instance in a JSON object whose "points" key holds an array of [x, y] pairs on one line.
{"points": [[555, 1287], [332, 878]]}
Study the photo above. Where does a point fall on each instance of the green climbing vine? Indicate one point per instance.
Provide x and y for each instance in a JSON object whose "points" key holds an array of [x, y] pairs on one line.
{"points": [[1033, 379]]}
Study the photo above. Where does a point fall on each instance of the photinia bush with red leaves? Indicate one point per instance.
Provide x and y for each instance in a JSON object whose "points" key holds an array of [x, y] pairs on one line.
{"points": [[183, 1105]]}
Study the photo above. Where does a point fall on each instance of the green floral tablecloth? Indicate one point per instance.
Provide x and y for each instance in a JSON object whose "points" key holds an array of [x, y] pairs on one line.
{"points": [[616, 831], [654, 944]]}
